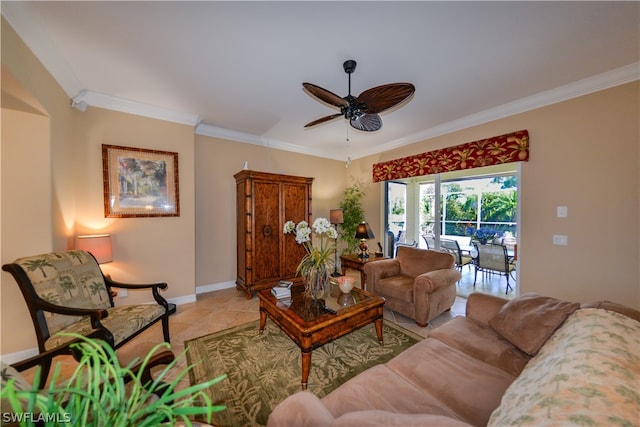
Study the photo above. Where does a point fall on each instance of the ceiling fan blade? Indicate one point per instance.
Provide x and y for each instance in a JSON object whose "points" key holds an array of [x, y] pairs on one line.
{"points": [[325, 95], [366, 122], [323, 119], [380, 98]]}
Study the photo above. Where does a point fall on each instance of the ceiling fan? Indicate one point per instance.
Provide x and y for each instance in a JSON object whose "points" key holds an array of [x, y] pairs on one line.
{"points": [[362, 112]]}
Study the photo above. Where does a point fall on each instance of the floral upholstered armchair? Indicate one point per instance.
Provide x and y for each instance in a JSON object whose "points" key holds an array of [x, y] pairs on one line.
{"points": [[67, 292]]}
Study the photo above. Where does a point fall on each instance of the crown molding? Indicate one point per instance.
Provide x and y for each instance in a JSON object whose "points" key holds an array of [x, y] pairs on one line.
{"points": [[94, 99], [231, 135]]}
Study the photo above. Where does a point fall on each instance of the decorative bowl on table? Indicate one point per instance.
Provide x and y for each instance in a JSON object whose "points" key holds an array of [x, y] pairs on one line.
{"points": [[346, 283]]}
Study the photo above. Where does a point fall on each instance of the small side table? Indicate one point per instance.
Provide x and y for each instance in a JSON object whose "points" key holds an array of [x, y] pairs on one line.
{"points": [[357, 263]]}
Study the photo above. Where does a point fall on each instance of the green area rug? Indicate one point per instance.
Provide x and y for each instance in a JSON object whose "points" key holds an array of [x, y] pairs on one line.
{"points": [[263, 369]]}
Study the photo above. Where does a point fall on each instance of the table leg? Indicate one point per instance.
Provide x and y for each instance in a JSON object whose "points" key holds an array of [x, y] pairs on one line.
{"points": [[362, 277], [306, 367], [263, 321], [378, 324]]}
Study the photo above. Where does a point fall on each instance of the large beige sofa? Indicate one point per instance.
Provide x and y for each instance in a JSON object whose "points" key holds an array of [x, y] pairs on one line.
{"points": [[533, 361]]}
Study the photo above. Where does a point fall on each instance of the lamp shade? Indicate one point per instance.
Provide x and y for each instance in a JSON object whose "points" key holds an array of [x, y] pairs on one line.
{"points": [[364, 231], [335, 216], [99, 245]]}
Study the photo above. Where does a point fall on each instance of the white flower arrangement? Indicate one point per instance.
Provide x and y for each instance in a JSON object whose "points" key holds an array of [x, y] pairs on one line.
{"points": [[317, 257]]}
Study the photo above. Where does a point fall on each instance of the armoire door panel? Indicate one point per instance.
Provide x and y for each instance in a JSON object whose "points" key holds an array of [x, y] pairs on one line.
{"points": [[267, 231], [295, 208]]}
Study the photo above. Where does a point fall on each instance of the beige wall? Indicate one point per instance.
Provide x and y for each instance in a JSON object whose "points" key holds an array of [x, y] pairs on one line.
{"points": [[216, 162], [36, 173], [160, 249], [584, 155], [26, 210]]}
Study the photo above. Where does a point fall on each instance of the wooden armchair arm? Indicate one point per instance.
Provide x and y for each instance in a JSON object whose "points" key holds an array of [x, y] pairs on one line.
{"points": [[112, 283], [171, 308]]}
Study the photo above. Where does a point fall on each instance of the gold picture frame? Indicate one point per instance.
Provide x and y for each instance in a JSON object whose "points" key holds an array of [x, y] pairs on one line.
{"points": [[139, 182]]}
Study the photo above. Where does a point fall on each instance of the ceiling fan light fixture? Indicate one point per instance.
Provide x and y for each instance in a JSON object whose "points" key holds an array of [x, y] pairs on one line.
{"points": [[361, 112], [366, 122]]}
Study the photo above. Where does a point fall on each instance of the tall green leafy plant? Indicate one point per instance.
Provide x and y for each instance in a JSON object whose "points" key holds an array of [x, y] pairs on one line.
{"points": [[353, 214], [96, 393]]}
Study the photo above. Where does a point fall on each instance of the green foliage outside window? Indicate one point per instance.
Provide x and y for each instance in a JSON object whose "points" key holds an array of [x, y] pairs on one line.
{"points": [[397, 207]]}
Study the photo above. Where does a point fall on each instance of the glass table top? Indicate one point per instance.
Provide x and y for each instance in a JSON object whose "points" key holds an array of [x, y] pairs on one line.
{"points": [[309, 309]]}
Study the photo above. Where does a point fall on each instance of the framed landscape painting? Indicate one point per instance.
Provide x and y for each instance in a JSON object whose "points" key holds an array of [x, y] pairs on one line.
{"points": [[139, 182]]}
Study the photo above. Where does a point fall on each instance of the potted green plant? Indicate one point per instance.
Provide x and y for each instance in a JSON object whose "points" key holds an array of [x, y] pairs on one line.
{"points": [[96, 393], [353, 214]]}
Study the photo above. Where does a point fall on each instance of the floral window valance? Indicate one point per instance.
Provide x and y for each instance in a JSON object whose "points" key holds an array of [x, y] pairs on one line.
{"points": [[511, 147]]}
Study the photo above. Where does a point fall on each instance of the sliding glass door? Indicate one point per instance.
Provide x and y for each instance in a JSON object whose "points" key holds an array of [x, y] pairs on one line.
{"points": [[395, 214], [453, 205]]}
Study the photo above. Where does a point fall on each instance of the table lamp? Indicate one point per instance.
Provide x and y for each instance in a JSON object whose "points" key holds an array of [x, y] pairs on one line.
{"points": [[363, 233], [98, 245], [336, 218]]}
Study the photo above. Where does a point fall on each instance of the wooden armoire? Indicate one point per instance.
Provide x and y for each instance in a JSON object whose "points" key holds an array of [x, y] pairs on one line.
{"points": [[265, 201]]}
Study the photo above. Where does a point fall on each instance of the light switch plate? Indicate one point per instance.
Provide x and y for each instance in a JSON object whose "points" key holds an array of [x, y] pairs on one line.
{"points": [[560, 239]]}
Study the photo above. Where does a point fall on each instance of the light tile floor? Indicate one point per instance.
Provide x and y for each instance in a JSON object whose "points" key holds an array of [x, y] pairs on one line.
{"points": [[225, 308], [494, 284]]}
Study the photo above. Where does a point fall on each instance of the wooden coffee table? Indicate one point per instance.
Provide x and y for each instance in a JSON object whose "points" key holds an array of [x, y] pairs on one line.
{"points": [[311, 324]]}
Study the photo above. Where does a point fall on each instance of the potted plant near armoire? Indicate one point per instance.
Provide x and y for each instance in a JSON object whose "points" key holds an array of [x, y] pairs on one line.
{"points": [[353, 214]]}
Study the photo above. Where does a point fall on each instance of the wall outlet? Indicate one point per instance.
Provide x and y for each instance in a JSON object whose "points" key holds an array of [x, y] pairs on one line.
{"points": [[562, 212], [560, 239], [122, 293]]}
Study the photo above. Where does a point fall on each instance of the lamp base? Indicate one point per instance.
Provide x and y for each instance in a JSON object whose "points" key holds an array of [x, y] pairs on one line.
{"points": [[364, 249]]}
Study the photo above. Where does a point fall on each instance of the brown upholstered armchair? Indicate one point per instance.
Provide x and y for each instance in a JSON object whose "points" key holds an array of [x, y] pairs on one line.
{"points": [[418, 283]]}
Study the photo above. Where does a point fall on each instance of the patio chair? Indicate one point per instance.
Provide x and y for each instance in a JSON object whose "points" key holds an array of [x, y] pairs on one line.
{"points": [[493, 258], [453, 247], [430, 240], [408, 245], [67, 292]]}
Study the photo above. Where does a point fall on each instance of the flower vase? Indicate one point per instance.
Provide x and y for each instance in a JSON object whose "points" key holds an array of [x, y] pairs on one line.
{"points": [[316, 282]]}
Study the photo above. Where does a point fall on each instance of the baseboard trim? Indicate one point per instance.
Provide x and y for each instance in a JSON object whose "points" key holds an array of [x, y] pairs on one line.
{"points": [[185, 299], [214, 287], [19, 355]]}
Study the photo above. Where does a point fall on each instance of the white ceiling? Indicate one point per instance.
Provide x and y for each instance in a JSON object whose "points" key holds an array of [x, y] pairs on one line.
{"points": [[235, 69]]}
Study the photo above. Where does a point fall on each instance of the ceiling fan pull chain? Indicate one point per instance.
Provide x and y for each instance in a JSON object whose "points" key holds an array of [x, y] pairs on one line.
{"points": [[348, 161]]}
